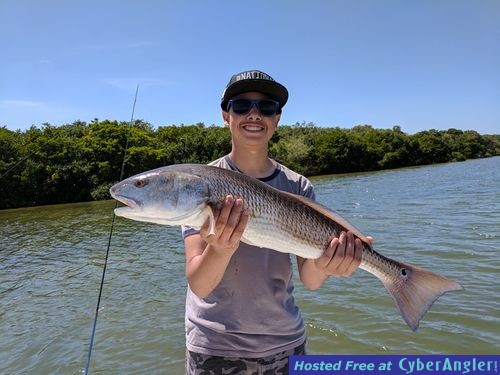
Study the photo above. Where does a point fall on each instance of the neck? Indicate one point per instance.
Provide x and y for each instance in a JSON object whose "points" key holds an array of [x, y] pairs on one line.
{"points": [[252, 161]]}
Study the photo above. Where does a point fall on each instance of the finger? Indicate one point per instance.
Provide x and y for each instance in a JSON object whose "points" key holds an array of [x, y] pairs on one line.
{"points": [[338, 257], [232, 220], [220, 212], [328, 254], [240, 228], [348, 265], [358, 255], [370, 240], [349, 254], [224, 213], [343, 259], [235, 214]]}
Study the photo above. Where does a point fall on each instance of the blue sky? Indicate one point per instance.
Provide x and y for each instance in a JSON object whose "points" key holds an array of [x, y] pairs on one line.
{"points": [[417, 64]]}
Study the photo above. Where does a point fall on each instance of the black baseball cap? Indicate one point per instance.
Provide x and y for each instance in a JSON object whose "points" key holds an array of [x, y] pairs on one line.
{"points": [[254, 80]]}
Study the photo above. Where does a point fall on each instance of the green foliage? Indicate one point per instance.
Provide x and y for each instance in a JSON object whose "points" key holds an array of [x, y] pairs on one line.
{"points": [[80, 161], [101, 192], [293, 147]]}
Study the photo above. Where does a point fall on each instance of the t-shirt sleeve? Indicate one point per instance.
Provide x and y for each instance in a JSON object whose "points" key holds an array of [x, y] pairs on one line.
{"points": [[307, 188], [189, 231]]}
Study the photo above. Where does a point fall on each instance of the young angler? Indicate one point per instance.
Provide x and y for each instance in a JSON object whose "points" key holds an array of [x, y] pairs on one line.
{"points": [[241, 317]]}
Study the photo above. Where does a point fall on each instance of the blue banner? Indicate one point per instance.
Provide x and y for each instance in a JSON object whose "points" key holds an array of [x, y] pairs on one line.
{"points": [[394, 364]]}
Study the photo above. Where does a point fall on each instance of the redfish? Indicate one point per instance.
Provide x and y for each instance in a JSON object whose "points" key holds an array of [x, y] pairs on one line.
{"points": [[185, 194]]}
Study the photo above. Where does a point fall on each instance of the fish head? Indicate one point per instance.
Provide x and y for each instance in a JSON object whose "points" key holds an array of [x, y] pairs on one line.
{"points": [[161, 196]]}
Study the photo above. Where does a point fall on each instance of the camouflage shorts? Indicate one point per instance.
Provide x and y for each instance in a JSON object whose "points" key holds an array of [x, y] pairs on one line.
{"points": [[277, 364]]}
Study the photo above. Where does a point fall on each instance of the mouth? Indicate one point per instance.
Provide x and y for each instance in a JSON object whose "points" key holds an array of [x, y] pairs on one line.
{"points": [[253, 128], [129, 202], [130, 208]]}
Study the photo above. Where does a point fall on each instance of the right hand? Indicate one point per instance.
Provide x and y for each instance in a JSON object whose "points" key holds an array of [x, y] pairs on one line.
{"points": [[230, 223], [342, 256]]}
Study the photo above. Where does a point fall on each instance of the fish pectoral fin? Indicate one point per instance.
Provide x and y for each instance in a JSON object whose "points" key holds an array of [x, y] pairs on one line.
{"points": [[211, 220]]}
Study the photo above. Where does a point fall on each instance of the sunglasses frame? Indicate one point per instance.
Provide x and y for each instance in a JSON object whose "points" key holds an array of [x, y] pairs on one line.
{"points": [[256, 103]]}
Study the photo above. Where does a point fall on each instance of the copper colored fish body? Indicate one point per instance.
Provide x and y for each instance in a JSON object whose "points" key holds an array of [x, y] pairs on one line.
{"points": [[184, 194]]}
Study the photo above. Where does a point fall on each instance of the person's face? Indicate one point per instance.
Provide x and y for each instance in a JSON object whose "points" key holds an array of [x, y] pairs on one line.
{"points": [[251, 127]]}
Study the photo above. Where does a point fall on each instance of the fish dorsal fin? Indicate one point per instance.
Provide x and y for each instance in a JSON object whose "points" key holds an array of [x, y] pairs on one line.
{"points": [[325, 211]]}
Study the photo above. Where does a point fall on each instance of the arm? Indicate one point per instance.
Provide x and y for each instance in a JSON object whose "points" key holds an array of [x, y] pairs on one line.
{"points": [[207, 256], [341, 258]]}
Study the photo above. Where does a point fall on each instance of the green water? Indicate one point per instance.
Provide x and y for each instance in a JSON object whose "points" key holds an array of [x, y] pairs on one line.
{"points": [[444, 217]]}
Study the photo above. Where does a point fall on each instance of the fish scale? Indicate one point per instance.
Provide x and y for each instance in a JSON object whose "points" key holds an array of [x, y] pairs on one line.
{"points": [[265, 205], [185, 194]]}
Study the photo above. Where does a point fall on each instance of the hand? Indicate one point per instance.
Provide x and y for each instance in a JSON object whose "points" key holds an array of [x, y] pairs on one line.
{"points": [[343, 255], [230, 222]]}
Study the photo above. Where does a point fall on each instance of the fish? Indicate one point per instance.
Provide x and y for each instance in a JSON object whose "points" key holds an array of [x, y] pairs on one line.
{"points": [[188, 194]]}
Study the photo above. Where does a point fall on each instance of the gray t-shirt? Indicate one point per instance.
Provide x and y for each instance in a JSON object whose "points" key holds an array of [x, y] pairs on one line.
{"points": [[252, 312]]}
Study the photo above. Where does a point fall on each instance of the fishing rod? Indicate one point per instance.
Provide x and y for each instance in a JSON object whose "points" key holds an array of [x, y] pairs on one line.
{"points": [[94, 324]]}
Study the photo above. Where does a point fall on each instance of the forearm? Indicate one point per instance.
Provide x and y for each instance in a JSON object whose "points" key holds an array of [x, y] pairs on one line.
{"points": [[208, 254], [341, 258], [205, 271], [311, 276]]}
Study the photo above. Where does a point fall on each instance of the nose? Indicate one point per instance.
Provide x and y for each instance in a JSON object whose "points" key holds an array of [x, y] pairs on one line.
{"points": [[254, 113]]}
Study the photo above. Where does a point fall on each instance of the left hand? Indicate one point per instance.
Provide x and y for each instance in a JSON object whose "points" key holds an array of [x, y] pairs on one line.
{"points": [[342, 256]]}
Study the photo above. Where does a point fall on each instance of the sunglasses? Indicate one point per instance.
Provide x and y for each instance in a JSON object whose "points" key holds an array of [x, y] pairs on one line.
{"points": [[242, 106]]}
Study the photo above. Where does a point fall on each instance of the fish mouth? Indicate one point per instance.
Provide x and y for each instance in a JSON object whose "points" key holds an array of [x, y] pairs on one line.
{"points": [[130, 208], [130, 203]]}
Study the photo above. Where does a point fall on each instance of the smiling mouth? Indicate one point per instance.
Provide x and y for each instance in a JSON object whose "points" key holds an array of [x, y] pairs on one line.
{"points": [[253, 128]]}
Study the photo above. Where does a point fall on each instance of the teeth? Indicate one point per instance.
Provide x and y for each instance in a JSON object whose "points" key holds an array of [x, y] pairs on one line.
{"points": [[252, 128]]}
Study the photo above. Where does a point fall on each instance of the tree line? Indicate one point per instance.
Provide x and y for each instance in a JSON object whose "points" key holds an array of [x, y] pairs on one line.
{"points": [[80, 161]]}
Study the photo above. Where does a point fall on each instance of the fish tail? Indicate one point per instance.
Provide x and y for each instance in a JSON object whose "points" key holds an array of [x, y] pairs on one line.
{"points": [[414, 290]]}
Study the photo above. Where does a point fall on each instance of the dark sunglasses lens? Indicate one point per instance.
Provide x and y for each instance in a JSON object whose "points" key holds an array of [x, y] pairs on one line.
{"points": [[241, 106], [267, 107]]}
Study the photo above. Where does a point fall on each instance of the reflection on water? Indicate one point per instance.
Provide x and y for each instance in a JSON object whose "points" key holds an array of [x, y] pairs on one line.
{"points": [[444, 217]]}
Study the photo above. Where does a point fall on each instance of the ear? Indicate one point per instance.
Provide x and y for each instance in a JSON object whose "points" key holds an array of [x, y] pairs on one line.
{"points": [[225, 117], [278, 117]]}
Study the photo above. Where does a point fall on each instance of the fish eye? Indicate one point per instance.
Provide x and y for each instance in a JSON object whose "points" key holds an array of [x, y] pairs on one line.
{"points": [[141, 182]]}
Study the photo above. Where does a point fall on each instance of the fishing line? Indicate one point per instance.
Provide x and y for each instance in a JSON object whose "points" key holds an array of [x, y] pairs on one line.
{"points": [[15, 165], [92, 337]]}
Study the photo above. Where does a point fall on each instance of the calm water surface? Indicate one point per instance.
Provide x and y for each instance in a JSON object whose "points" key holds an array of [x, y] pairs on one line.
{"points": [[443, 217]]}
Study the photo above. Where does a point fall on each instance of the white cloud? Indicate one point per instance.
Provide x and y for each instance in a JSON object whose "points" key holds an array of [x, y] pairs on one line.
{"points": [[14, 104], [130, 84], [20, 114]]}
